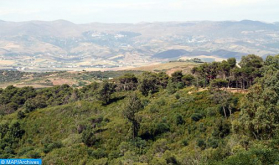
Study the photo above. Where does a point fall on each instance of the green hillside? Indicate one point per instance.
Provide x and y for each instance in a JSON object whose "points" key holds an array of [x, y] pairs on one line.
{"points": [[150, 119]]}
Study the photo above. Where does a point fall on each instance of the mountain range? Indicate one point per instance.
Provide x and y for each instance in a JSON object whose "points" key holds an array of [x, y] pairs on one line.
{"points": [[63, 45]]}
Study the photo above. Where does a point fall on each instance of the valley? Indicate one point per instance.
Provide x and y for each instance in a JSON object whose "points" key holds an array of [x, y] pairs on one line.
{"points": [[61, 45]]}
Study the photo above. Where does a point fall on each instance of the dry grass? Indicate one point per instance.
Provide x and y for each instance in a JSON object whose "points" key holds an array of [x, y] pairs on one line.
{"points": [[169, 68]]}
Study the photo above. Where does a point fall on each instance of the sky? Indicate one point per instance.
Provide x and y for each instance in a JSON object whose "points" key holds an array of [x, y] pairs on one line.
{"points": [[131, 11]]}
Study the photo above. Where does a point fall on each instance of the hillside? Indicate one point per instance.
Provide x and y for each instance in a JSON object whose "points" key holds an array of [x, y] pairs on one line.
{"points": [[150, 118], [163, 136], [50, 79], [82, 78]]}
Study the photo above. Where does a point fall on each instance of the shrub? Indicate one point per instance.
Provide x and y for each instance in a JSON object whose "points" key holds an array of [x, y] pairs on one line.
{"points": [[162, 128], [212, 143], [196, 117], [177, 96], [161, 102], [202, 128], [254, 156], [33, 154], [201, 143], [185, 142], [97, 154], [153, 109], [20, 115], [211, 111], [88, 136], [49, 147], [222, 129], [179, 119]]}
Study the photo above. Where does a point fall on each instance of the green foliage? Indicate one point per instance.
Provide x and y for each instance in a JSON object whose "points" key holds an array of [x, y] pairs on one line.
{"points": [[127, 82], [13, 98], [185, 142], [148, 83], [105, 92], [10, 135], [176, 77], [48, 147], [171, 87], [196, 117], [177, 125], [88, 136], [201, 143], [97, 154], [162, 128], [260, 111], [179, 119], [219, 83], [221, 129], [131, 108], [188, 79], [259, 156], [20, 115]]}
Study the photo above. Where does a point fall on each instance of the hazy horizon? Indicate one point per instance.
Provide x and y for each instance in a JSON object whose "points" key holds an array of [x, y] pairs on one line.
{"points": [[124, 11], [140, 21]]}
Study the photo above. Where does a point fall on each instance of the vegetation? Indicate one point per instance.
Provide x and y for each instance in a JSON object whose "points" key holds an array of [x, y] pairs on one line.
{"points": [[151, 118]]}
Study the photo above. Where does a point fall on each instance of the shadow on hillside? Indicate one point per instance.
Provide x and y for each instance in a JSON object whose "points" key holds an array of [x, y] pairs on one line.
{"points": [[115, 99]]}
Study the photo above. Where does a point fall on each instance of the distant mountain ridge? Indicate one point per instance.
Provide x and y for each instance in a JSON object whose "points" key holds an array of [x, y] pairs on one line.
{"points": [[169, 54], [63, 44]]}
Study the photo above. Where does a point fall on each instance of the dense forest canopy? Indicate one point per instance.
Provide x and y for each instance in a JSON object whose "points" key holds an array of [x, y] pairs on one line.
{"points": [[221, 113]]}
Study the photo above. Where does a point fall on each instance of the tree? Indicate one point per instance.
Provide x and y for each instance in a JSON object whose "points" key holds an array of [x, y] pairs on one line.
{"points": [[260, 108], [163, 79], [223, 98], [133, 106], [224, 69], [171, 87], [232, 62], [88, 136], [105, 92], [219, 83], [188, 79], [127, 82], [250, 68], [148, 83], [176, 77]]}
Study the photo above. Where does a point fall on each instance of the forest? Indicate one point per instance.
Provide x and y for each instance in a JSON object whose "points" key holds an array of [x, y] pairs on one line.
{"points": [[221, 113]]}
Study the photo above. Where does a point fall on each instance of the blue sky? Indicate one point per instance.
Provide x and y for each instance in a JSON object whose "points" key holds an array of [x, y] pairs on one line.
{"points": [[129, 11]]}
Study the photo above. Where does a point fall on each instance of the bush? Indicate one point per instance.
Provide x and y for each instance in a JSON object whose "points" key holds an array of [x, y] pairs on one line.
{"points": [[179, 119], [33, 154], [212, 143], [201, 143], [196, 117], [24, 150], [20, 115], [211, 111], [154, 109], [97, 154], [202, 128], [88, 136], [162, 128], [254, 156], [161, 102], [222, 129], [49, 147], [185, 142]]}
